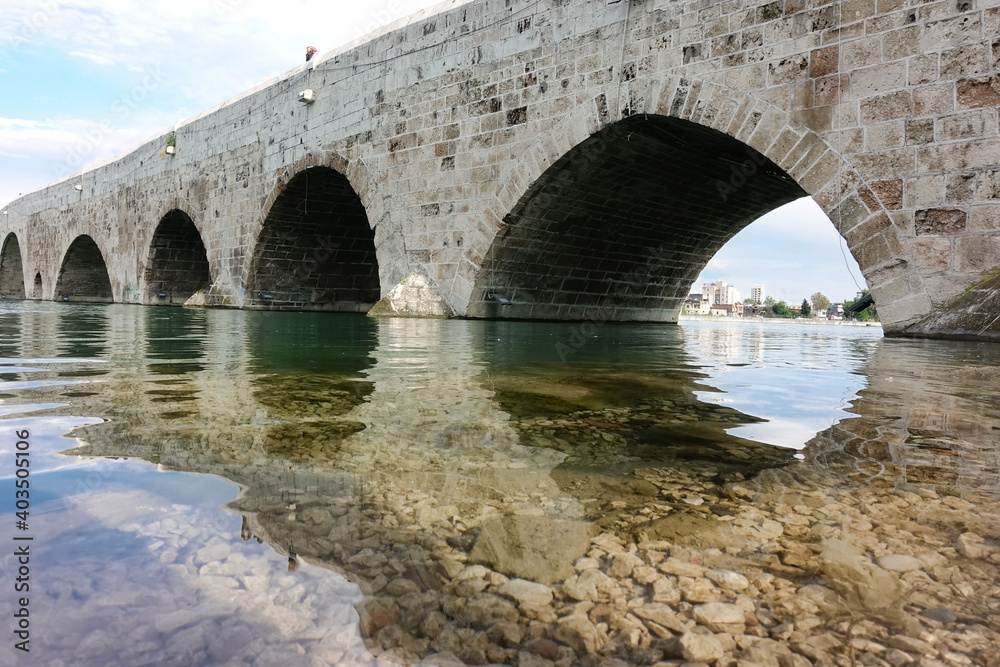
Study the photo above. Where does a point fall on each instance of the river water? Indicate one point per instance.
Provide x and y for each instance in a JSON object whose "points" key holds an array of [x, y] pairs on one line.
{"points": [[249, 488]]}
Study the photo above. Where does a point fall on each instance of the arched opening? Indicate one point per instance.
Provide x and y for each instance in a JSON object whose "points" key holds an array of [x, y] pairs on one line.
{"points": [[790, 256], [316, 250], [177, 265], [37, 295], [84, 275], [11, 269], [620, 226]]}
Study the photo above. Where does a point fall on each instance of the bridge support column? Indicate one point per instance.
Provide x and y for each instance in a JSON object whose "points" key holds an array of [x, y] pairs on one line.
{"points": [[415, 296]]}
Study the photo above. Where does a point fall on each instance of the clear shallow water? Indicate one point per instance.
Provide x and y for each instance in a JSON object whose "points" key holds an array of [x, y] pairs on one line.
{"points": [[275, 488]]}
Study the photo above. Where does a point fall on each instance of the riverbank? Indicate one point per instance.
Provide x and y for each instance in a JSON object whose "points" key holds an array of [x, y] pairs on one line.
{"points": [[778, 320]]}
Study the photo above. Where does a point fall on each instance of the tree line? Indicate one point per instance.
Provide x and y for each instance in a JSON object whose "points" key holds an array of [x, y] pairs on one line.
{"points": [[818, 302]]}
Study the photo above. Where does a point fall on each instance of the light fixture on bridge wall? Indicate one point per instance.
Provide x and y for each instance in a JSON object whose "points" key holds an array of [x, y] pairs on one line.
{"points": [[307, 96], [266, 296], [502, 300], [161, 294], [78, 187]]}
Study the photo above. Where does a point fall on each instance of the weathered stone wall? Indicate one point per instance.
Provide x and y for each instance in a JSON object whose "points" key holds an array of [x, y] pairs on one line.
{"points": [[451, 124]]}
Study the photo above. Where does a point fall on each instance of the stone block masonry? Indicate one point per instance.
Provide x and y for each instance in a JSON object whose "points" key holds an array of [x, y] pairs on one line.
{"points": [[581, 160]]}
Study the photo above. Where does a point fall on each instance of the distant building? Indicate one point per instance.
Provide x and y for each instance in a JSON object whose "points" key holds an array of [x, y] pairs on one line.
{"points": [[757, 294], [719, 293], [728, 309], [835, 311], [696, 305]]}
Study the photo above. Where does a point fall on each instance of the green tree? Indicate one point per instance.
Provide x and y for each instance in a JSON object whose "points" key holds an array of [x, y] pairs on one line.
{"points": [[769, 301], [819, 302], [781, 309], [804, 309]]}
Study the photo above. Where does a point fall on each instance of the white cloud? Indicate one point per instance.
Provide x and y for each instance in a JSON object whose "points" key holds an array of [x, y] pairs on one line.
{"points": [[179, 58]]}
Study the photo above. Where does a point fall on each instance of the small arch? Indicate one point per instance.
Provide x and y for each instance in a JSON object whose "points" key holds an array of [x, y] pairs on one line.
{"points": [[83, 275], [177, 264], [37, 294], [11, 269], [316, 248]]}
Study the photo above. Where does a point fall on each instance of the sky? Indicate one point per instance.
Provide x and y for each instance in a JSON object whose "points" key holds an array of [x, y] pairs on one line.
{"points": [[82, 82]]}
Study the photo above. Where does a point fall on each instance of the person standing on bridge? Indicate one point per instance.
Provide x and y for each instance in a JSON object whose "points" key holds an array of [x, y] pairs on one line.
{"points": [[310, 52]]}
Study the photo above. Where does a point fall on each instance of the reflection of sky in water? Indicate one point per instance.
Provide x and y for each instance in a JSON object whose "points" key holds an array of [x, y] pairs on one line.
{"points": [[132, 565], [799, 377]]}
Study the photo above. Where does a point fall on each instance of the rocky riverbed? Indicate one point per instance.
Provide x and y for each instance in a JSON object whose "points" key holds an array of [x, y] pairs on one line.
{"points": [[435, 510]]}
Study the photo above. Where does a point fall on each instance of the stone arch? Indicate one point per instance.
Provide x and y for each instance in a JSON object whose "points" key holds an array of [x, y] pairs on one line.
{"points": [[318, 245], [11, 269], [83, 275], [177, 264], [763, 141], [37, 293]]}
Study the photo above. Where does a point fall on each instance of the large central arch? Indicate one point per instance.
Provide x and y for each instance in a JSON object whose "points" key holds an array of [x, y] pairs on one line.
{"points": [[84, 274], [316, 249], [612, 213], [622, 224], [11, 269]]}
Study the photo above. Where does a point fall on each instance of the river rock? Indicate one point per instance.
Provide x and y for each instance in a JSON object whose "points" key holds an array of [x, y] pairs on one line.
{"points": [[721, 617], [701, 648], [680, 568], [662, 614], [168, 623], [860, 581], [900, 563], [579, 633], [527, 593], [728, 579], [375, 614], [939, 614], [622, 564], [972, 545], [698, 590], [537, 548], [590, 585], [912, 645]]}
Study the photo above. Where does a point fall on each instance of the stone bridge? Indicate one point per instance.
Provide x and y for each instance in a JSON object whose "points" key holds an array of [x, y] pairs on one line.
{"points": [[579, 159]]}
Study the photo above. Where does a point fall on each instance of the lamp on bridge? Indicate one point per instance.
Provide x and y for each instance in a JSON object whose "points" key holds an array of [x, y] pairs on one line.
{"points": [[266, 296], [161, 294], [502, 300], [78, 187]]}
